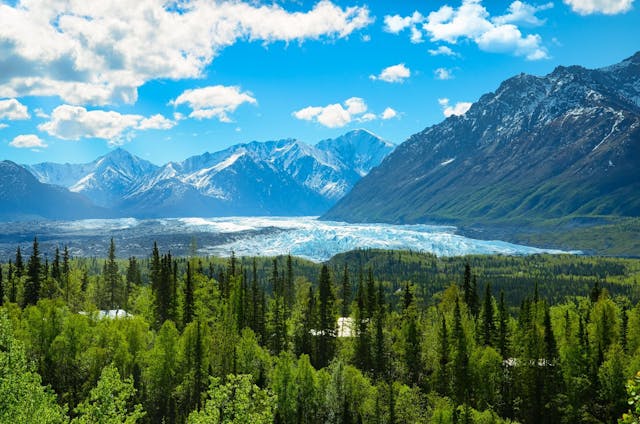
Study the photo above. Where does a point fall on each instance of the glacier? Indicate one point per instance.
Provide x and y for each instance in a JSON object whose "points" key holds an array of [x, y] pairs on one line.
{"points": [[306, 237]]}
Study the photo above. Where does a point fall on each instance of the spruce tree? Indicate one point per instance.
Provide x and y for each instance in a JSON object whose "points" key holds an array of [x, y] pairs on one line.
{"points": [[11, 281], [66, 270], [19, 263], [503, 327], [326, 319], [34, 275], [55, 267], [488, 323], [461, 359], [442, 378], [346, 292], [187, 314], [112, 277]]}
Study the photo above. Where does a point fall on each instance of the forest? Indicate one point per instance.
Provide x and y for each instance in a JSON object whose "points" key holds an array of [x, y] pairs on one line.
{"points": [[370, 336]]}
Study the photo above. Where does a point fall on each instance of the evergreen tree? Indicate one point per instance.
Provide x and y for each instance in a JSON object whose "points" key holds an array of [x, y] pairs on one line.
{"points": [[412, 347], [503, 327], [460, 359], [346, 292], [379, 345], [11, 281], [289, 288], [442, 377], [488, 324], [55, 267], [187, 314], [304, 338], [19, 263], [466, 285], [371, 295], [1, 288], [34, 276], [112, 277], [66, 272], [326, 319], [363, 345]]}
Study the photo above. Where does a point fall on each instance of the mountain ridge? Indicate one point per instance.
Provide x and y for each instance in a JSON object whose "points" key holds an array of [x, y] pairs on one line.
{"points": [[564, 145], [285, 177]]}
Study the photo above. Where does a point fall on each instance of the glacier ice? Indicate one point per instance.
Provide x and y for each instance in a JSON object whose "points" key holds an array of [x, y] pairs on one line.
{"points": [[306, 237]]}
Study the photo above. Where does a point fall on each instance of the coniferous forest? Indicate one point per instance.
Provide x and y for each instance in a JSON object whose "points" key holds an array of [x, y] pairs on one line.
{"points": [[368, 337]]}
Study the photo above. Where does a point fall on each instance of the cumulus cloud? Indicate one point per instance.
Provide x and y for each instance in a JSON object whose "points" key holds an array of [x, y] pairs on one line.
{"points": [[388, 113], [100, 53], [459, 108], [443, 73], [215, 101], [338, 115], [27, 141], [523, 13], [606, 7], [395, 73], [396, 23], [442, 51], [75, 122], [13, 110], [3, 126], [472, 21]]}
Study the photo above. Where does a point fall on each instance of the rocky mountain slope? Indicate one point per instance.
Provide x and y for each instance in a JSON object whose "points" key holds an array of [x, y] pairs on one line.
{"points": [[565, 146], [22, 196]]}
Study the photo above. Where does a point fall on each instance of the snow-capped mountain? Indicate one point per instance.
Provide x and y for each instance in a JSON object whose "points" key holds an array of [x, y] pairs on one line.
{"points": [[285, 177], [562, 145], [105, 181]]}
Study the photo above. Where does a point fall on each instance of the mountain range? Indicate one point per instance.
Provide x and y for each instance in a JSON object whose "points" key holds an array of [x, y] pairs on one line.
{"points": [[564, 147], [285, 177]]}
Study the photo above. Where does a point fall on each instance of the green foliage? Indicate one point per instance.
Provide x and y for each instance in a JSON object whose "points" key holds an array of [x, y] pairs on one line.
{"points": [[108, 401], [23, 399], [556, 346], [236, 401]]}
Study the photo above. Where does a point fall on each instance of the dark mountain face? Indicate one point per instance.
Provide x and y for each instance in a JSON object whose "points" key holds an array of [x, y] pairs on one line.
{"points": [[566, 144], [22, 196]]}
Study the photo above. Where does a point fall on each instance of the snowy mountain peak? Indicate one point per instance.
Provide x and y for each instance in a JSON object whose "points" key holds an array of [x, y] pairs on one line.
{"points": [[284, 176]]}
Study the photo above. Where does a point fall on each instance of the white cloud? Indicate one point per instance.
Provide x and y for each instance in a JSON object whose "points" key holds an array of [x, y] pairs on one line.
{"points": [[355, 105], [459, 108], [100, 53], [28, 141], [368, 117], [156, 122], [472, 21], [388, 114], [334, 116], [75, 122], [215, 101], [443, 73], [607, 7], [395, 73], [520, 12], [308, 113], [338, 115], [396, 23], [2, 126], [442, 51], [12, 109]]}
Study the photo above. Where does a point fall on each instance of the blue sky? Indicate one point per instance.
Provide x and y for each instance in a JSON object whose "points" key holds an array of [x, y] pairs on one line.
{"points": [[170, 80]]}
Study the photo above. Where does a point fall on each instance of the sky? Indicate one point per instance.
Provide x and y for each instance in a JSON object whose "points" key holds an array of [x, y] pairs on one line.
{"points": [[170, 79]]}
